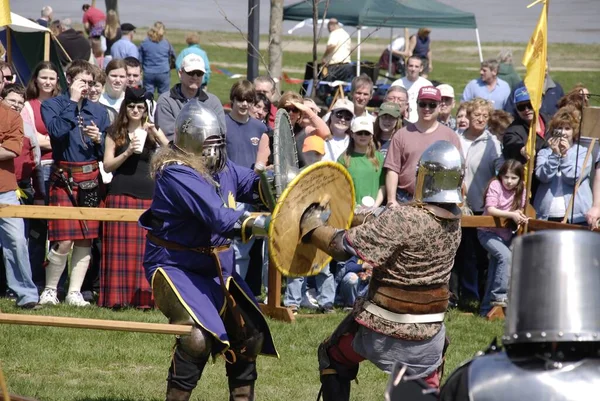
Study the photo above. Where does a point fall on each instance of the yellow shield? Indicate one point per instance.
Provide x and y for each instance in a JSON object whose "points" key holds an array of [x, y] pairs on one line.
{"points": [[314, 183]]}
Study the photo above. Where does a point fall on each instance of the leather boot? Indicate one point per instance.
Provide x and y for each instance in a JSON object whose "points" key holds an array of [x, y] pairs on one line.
{"points": [[175, 394], [241, 390], [334, 388]]}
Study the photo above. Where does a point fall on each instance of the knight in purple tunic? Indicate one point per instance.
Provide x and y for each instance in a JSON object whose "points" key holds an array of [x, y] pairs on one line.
{"points": [[188, 258]]}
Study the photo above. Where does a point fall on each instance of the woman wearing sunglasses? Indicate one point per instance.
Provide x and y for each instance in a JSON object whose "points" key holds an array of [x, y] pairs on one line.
{"points": [[515, 137], [340, 119], [129, 145]]}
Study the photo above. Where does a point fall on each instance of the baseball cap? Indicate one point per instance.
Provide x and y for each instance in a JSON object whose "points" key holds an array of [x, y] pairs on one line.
{"points": [[127, 27], [446, 90], [193, 62], [429, 93], [362, 123], [314, 143], [343, 104], [521, 95], [389, 108]]}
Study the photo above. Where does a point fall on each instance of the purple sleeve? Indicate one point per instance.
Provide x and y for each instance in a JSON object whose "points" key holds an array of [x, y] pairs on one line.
{"points": [[247, 184], [193, 193]]}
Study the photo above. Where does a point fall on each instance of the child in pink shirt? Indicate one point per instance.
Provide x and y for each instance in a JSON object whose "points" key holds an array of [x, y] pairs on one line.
{"points": [[504, 197]]}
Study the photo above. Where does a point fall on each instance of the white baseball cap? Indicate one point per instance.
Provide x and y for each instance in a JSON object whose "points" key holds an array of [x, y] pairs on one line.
{"points": [[193, 62], [446, 90], [362, 123]]}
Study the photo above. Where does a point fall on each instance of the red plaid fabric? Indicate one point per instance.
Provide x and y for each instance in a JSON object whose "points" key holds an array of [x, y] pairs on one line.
{"points": [[70, 230], [122, 277]]}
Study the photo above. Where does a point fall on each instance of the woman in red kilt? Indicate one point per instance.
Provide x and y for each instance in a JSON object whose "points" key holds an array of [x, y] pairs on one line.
{"points": [[130, 143]]}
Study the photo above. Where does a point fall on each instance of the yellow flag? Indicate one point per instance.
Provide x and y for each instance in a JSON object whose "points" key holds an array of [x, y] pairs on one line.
{"points": [[535, 62], [5, 13]]}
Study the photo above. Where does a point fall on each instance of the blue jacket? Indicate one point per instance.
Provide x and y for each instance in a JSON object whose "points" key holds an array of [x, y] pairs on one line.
{"points": [[195, 49], [68, 141], [155, 56], [547, 166]]}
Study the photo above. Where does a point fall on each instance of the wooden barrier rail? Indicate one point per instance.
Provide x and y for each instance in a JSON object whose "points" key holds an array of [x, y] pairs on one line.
{"points": [[107, 214], [273, 307]]}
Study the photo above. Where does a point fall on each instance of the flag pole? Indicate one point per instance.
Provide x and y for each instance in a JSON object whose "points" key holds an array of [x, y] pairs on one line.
{"points": [[535, 60]]}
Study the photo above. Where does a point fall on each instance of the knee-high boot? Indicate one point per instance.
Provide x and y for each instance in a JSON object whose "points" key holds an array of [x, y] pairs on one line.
{"points": [[241, 376], [184, 373]]}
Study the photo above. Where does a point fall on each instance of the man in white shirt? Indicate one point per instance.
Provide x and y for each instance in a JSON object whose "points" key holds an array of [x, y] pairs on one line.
{"points": [[412, 82], [339, 45]]}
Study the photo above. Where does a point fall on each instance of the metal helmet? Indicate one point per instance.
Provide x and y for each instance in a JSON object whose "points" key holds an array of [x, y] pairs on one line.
{"points": [[554, 293], [198, 132], [440, 174]]}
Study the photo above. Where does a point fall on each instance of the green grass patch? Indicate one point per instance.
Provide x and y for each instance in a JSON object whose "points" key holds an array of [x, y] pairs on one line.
{"points": [[58, 364]]}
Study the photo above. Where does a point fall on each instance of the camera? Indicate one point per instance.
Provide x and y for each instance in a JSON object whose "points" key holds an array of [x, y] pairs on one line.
{"points": [[557, 133]]}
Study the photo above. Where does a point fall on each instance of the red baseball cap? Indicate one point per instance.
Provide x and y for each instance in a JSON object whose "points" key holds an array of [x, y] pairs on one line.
{"points": [[430, 93]]}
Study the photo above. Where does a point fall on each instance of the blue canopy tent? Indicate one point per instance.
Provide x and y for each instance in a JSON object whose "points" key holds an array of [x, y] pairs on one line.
{"points": [[386, 13]]}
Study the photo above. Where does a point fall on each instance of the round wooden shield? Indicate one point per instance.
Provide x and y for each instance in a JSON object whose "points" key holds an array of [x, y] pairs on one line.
{"points": [[313, 184]]}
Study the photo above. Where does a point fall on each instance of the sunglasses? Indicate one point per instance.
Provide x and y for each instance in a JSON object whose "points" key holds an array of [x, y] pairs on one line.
{"points": [[362, 133], [428, 105], [140, 107], [195, 73], [343, 115], [291, 110], [250, 100], [524, 106]]}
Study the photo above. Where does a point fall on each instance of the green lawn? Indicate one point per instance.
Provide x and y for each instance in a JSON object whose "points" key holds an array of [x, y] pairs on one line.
{"points": [[57, 364], [456, 64]]}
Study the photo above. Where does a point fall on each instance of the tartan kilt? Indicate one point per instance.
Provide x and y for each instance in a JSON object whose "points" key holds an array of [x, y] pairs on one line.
{"points": [[70, 230], [122, 277]]}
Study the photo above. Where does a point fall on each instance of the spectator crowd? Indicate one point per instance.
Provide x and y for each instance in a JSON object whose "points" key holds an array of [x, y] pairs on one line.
{"points": [[91, 145]]}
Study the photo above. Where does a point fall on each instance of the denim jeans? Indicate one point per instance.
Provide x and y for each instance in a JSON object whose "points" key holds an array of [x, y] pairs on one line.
{"points": [[241, 249], [16, 256], [349, 287], [160, 82], [496, 288], [296, 287]]}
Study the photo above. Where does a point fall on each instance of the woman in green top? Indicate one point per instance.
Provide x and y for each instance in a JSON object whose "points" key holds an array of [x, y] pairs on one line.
{"points": [[364, 163]]}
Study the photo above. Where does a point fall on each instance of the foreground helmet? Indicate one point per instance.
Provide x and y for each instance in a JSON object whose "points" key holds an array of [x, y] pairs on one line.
{"points": [[440, 174], [554, 293], [198, 132]]}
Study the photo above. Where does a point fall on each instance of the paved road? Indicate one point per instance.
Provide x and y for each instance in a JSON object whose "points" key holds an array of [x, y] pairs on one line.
{"points": [[571, 21]]}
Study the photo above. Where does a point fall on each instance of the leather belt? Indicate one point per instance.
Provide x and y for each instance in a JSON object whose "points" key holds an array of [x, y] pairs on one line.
{"points": [[207, 250], [85, 169], [404, 318]]}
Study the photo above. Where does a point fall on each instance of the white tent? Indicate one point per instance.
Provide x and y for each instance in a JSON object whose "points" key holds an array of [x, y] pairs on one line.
{"points": [[22, 24]]}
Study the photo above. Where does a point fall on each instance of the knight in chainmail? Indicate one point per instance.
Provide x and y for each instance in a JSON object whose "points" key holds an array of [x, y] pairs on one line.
{"points": [[411, 248]]}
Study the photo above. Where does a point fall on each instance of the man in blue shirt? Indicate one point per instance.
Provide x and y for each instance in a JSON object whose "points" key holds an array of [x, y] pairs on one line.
{"points": [[488, 86], [243, 135], [124, 47], [76, 127]]}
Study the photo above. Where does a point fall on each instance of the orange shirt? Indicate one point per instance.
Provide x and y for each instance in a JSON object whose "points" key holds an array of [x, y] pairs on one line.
{"points": [[11, 138]]}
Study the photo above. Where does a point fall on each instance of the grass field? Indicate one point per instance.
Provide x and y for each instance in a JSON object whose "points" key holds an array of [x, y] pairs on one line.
{"points": [[56, 364], [53, 364]]}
